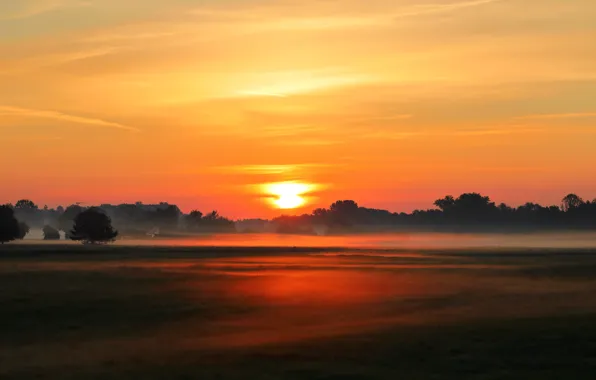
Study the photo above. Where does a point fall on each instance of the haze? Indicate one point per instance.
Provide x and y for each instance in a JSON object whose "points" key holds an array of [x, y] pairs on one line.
{"points": [[201, 103]]}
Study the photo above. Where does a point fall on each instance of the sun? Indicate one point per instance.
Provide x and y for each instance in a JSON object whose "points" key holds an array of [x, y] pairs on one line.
{"points": [[289, 201], [287, 195]]}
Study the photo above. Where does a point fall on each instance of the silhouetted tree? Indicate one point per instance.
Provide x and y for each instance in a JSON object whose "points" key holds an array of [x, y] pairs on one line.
{"points": [[212, 216], [194, 219], [25, 204], [215, 222], [166, 217], [140, 219], [320, 212], [23, 230], [93, 226], [344, 213], [293, 224], [321, 216], [445, 203], [50, 233], [344, 207], [9, 226], [471, 208], [571, 201], [196, 214], [28, 212]]}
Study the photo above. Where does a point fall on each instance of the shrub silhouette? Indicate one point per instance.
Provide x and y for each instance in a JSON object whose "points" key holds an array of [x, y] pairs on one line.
{"points": [[50, 233], [93, 226], [9, 226]]}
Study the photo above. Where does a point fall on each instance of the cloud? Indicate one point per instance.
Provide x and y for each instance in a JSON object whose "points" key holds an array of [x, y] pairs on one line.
{"points": [[507, 169], [326, 15], [270, 169], [393, 135], [33, 138], [419, 10], [380, 119], [291, 130], [59, 116], [262, 94], [281, 84], [308, 142], [21, 9], [559, 116], [496, 131], [400, 135], [260, 169]]}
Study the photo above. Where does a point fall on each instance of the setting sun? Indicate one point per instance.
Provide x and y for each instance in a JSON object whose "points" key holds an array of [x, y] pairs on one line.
{"points": [[288, 195], [289, 201]]}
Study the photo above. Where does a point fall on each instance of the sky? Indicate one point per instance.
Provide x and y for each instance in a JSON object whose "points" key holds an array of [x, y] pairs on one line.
{"points": [[392, 103]]}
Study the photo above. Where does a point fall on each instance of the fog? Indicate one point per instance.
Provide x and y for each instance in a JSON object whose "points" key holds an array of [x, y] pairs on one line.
{"points": [[415, 240], [154, 313]]}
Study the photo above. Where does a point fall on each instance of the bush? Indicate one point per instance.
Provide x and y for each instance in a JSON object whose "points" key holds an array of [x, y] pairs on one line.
{"points": [[9, 226], [93, 226]]}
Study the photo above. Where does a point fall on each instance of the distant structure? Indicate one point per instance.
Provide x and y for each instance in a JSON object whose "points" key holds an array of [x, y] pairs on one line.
{"points": [[153, 232]]}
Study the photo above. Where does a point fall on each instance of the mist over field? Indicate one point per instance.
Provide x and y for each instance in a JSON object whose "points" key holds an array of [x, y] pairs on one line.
{"points": [[179, 311], [412, 240]]}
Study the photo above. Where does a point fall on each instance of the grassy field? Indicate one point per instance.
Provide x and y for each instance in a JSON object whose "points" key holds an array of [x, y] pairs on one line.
{"points": [[70, 312]]}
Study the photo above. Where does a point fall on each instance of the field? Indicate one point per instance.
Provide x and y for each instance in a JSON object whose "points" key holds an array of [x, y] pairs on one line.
{"points": [[70, 312]]}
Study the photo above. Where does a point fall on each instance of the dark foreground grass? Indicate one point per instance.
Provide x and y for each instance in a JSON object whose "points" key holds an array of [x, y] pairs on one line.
{"points": [[142, 313]]}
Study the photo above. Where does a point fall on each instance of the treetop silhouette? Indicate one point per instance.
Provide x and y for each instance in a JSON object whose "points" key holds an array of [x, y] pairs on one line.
{"points": [[93, 226]]}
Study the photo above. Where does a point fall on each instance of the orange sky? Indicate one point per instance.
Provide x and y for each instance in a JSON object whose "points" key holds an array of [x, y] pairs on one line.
{"points": [[393, 103]]}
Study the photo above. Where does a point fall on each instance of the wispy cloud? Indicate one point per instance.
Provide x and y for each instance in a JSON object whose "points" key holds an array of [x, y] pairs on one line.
{"points": [[559, 116], [262, 94], [21, 9], [308, 142], [271, 169], [400, 135], [507, 169], [281, 84], [59, 116], [495, 131], [291, 130], [388, 119], [33, 138], [393, 135], [418, 10], [283, 17], [260, 169]]}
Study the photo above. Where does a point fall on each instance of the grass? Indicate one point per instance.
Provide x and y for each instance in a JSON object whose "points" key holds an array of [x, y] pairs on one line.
{"points": [[186, 313]]}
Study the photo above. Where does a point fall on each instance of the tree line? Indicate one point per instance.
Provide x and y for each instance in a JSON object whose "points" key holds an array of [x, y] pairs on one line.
{"points": [[106, 222], [469, 212]]}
